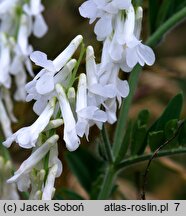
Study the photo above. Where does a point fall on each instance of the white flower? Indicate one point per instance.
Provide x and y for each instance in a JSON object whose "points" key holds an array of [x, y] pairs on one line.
{"points": [[105, 11], [45, 79], [21, 176], [70, 135], [87, 115], [23, 34], [33, 88], [94, 86], [7, 5], [27, 137], [34, 9]]}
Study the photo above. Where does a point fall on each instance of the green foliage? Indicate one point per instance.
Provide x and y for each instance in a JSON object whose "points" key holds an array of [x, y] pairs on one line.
{"points": [[155, 139], [138, 136], [139, 132], [67, 194], [167, 122], [153, 9], [182, 135], [85, 166], [160, 11], [172, 111]]}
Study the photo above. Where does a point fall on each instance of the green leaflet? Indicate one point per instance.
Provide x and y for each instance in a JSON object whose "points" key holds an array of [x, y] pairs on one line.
{"points": [[172, 111], [155, 139], [139, 132], [166, 123], [161, 11]]}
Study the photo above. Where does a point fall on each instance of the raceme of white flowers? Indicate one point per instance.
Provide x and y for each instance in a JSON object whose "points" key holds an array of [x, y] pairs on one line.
{"points": [[93, 101], [18, 20], [118, 26]]}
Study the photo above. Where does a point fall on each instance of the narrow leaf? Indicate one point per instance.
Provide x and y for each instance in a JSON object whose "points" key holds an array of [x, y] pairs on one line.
{"points": [[155, 139]]}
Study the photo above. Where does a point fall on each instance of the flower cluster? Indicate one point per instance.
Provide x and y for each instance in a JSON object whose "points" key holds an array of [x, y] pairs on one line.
{"points": [[18, 20], [119, 27]]}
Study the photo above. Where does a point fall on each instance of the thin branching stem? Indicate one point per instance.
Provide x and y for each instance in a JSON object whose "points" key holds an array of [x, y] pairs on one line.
{"points": [[154, 155]]}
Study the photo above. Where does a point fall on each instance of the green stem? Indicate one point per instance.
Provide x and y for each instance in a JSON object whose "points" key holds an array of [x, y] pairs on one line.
{"points": [[73, 78], [170, 23], [137, 159], [109, 178], [122, 120], [107, 145]]}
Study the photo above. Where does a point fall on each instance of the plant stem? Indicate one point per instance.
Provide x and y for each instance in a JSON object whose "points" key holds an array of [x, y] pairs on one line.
{"points": [[107, 144], [74, 73], [107, 183], [141, 158], [122, 120], [170, 23]]}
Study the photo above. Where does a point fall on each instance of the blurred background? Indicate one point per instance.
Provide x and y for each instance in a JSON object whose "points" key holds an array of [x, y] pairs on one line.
{"points": [[157, 85]]}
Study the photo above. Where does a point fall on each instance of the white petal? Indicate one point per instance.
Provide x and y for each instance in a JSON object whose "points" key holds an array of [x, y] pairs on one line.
{"points": [[81, 101], [64, 57], [40, 59], [91, 66], [103, 27], [40, 105], [40, 26], [45, 84], [23, 183], [70, 135], [107, 91], [88, 9], [123, 87], [147, 54], [131, 57], [115, 50], [49, 185]]}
